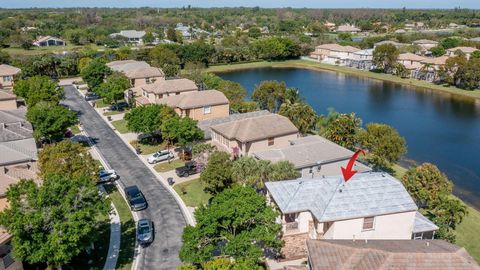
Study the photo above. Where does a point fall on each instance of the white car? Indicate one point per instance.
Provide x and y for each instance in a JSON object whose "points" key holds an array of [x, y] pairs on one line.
{"points": [[107, 176], [160, 156]]}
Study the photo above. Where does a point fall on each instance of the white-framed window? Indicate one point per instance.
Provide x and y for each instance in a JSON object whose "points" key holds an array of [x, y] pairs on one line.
{"points": [[7, 78], [207, 109], [368, 223]]}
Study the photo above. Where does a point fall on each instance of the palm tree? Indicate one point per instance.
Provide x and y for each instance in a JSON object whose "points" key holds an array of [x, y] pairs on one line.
{"points": [[301, 115]]}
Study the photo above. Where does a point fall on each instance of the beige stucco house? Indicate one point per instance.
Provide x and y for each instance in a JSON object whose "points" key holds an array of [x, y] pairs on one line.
{"points": [[8, 101], [466, 50], [333, 54], [411, 61], [425, 44], [198, 105], [139, 72], [245, 136], [7, 76], [152, 93], [430, 68], [369, 206]]}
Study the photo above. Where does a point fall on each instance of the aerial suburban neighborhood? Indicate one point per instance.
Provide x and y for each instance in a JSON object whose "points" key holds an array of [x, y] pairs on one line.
{"points": [[256, 137]]}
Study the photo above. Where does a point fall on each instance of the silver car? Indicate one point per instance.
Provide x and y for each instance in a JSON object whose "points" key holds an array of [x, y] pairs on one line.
{"points": [[144, 232], [160, 156]]}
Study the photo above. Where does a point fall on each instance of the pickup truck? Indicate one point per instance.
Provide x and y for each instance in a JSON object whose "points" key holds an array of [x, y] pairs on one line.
{"points": [[189, 169]]}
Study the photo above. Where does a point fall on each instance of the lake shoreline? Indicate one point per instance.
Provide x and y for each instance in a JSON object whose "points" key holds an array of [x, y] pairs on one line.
{"points": [[306, 64]]}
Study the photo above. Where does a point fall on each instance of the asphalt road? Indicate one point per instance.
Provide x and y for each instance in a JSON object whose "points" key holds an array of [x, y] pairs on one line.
{"points": [[162, 209]]}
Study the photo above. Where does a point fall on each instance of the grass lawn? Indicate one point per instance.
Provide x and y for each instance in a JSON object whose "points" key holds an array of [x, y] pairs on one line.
{"points": [[128, 237], [168, 166], [192, 193], [114, 112], [417, 84], [148, 149], [120, 125], [75, 129], [100, 103], [45, 50]]}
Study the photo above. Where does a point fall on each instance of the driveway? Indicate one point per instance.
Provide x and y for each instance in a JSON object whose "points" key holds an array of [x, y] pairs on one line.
{"points": [[162, 209]]}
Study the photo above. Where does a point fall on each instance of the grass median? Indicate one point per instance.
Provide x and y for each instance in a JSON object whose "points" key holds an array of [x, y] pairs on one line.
{"points": [[192, 193], [120, 125], [168, 166]]}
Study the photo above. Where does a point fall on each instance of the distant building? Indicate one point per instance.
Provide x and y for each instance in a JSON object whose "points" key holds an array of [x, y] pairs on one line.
{"points": [[465, 50], [415, 26], [347, 28], [400, 31], [190, 32], [46, 41], [132, 36], [331, 26], [425, 44], [411, 61], [430, 69], [394, 43], [138, 72], [7, 76], [362, 59], [333, 54]]}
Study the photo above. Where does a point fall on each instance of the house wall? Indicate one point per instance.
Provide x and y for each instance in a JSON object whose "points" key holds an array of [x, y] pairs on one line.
{"points": [[144, 81], [393, 226], [6, 81], [10, 104], [152, 97], [216, 111], [279, 142], [411, 64], [303, 219]]}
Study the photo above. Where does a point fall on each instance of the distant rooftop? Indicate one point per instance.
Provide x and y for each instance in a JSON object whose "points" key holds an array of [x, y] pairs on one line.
{"points": [[127, 65], [170, 86], [330, 199], [6, 70], [423, 224]]}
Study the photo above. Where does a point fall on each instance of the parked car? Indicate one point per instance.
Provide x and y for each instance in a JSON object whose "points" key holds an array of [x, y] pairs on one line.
{"points": [[107, 176], [144, 232], [189, 169], [160, 156], [91, 96], [135, 198], [120, 106]]}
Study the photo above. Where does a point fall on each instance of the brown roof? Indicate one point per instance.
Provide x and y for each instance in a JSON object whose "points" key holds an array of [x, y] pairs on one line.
{"points": [[410, 57], [4, 235], [388, 254], [8, 70], [256, 128], [4, 95], [463, 49], [435, 61], [195, 99], [45, 38], [337, 48], [147, 72], [170, 86]]}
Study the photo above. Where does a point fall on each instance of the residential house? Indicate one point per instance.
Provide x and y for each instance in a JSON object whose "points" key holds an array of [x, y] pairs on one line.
{"points": [[139, 72], [430, 69], [313, 156], [362, 59], [425, 44], [465, 50], [333, 53], [8, 101], [245, 136], [331, 26], [477, 39], [190, 32], [7, 76], [400, 31], [347, 28], [411, 61], [387, 254], [151, 93], [264, 30], [415, 26], [46, 41], [394, 43], [198, 105], [7, 262], [371, 205], [132, 36]]}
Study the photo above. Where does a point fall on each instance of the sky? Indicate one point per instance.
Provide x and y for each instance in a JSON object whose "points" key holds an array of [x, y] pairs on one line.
{"points": [[474, 4]]}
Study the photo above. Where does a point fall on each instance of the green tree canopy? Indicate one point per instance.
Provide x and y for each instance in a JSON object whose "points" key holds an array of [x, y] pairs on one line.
{"points": [[342, 129], [234, 91], [166, 59], [67, 158], [50, 121], [148, 119], [276, 48], [468, 75], [301, 114], [383, 143], [385, 57], [113, 88], [182, 131], [38, 88], [438, 51], [238, 223], [217, 176], [95, 72], [53, 222], [270, 95]]}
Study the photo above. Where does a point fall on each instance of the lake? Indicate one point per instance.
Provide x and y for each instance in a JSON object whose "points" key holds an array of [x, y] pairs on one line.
{"points": [[439, 128]]}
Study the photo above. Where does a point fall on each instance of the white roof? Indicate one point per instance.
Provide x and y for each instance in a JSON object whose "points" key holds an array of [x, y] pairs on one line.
{"points": [[330, 199], [131, 33], [423, 224]]}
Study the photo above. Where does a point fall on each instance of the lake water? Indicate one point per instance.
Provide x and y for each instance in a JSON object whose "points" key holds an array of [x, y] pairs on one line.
{"points": [[438, 128]]}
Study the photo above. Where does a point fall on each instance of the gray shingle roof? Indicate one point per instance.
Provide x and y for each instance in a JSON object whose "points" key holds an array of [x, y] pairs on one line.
{"points": [[18, 151], [423, 224], [206, 124], [14, 126], [330, 199], [127, 65]]}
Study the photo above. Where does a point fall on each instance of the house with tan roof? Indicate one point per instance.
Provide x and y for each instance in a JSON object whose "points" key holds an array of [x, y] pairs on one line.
{"points": [[465, 50], [425, 44], [334, 54], [8, 101], [371, 205], [244, 136], [313, 156], [362, 59], [347, 28], [151, 93], [391, 42], [411, 61], [7, 76], [199, 105], [387, 254], [430, 69], [139, 72], [47, 41]]}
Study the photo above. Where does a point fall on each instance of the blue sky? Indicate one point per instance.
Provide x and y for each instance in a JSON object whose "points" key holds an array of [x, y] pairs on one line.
{"points": [[231, 3]]}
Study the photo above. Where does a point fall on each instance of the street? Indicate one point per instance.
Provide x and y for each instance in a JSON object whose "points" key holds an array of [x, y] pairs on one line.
{"points": [[163, 209]]}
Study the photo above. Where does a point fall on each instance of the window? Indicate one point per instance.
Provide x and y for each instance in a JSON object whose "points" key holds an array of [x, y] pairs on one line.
{"points": [[207, 109], [271, 141], [147, 80], [7, 78], [368, 223]]}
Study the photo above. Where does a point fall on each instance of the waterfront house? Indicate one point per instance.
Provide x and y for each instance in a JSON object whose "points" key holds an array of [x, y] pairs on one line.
{"points": [[314, 156], [151, 93], [198, 105], [132, 36], [430, 69], [333, 54], [331, 26], [425, 45], [360, 59], [7, 76], [467, 51], [394, 43], [371, 205], [138, 72], [245, 136], [347, 28], [411, 61], [387, 254], [46, 41]]}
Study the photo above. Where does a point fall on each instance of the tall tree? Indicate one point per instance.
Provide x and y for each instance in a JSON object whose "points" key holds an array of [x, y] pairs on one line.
{"points": [[166, 59], [182, 131], [95, 72], [301, 114], [270, 95], [238, 223], [38, 88], [217, 176], [113, 88], [342, 130], [50, 121], [148, 119], [55, 221], [385, 57]]}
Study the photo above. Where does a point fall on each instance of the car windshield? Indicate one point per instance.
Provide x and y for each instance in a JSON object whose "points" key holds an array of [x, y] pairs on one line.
{"points": [[136, 196], [143, 229], [104, 173]]}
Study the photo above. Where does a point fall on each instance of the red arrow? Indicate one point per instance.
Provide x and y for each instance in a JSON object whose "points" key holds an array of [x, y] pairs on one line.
{"points": [[348, 172]]}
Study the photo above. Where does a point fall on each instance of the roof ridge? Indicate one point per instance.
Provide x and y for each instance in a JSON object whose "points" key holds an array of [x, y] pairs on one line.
{"points": [[331, 198], [300, 184]]}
